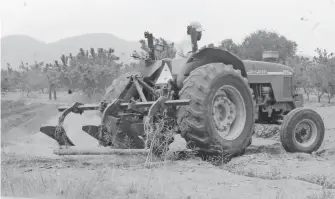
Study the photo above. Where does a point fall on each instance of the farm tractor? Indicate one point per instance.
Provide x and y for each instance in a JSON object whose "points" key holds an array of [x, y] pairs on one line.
{"points": [[211, 98]]}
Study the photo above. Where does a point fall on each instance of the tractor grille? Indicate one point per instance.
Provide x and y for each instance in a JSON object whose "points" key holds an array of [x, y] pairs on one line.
{"points": [[287, 87]]}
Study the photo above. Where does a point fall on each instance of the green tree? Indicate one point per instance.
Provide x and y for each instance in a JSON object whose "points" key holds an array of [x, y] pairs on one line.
{"points": [[5, 80], [231, 46], [303, 67], [11, 78], [257, 42], [169, 50], [53, 74], [90, 71], [326, 73]]}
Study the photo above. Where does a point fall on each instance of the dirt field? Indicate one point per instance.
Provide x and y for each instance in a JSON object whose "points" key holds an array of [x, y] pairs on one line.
{"points": [[29, 168]]}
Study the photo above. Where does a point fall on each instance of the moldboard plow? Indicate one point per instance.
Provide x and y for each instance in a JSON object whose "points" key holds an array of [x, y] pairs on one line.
{"points": [[110, 125]]}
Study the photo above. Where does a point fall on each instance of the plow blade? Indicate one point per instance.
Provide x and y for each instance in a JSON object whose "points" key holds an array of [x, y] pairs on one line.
{"points": [[92, 130], [100, 151], [99, 134], [59, 136]]}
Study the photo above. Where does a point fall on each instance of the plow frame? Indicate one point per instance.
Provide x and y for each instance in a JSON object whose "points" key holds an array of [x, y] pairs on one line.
{"points": [[116, 115]]}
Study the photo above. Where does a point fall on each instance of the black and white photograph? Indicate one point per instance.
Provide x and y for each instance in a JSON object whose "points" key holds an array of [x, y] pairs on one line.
{"points": [[167, 99]]}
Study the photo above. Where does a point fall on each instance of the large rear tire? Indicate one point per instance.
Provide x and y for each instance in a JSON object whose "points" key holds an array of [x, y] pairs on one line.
{"points": [[220, 117]]}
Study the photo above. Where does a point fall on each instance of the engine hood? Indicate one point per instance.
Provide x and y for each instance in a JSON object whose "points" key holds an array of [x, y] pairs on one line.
{"points": [[261, 67], [252, 67]]}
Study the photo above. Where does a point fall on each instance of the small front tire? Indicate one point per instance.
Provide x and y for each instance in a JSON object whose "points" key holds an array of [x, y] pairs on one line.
{"points": [[302, 131]]}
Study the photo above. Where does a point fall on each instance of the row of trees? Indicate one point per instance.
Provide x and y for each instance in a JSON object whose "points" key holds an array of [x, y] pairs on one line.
{"points": [[254, 44], [91, 72], [316, 76], [88, 71]]}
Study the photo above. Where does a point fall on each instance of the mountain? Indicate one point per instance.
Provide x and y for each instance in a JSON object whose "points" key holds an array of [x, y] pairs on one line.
{"points": [[17, 48]]}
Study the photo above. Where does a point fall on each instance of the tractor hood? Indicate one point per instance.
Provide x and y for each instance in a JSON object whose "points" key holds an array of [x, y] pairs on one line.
{"points": [[263, 68], [176, 66], [252, 67]]}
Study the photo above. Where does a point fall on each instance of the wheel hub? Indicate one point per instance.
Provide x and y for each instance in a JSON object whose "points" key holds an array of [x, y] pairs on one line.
{"points": [[305, 133], [225, 113]]}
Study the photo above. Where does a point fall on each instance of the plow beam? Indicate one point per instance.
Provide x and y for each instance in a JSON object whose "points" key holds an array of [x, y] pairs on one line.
{"points": [[86, 107], [100, 151]]}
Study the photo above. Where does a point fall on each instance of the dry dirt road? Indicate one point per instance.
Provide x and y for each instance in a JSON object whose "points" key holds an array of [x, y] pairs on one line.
{"points": [[29, 168]]}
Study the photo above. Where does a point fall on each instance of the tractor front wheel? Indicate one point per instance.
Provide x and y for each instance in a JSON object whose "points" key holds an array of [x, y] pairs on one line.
{"points": [[302, 131], [220, 118]]}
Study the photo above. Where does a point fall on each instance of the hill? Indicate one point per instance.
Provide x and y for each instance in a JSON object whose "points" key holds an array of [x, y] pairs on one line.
{"points": [[17, 48]]}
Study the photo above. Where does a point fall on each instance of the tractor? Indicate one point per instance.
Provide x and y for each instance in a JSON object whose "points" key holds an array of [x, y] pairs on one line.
{"points": [[211, 98]]}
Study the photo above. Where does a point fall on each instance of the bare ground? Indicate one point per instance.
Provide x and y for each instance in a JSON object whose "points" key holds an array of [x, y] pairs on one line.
{"points": [[29, 168]]}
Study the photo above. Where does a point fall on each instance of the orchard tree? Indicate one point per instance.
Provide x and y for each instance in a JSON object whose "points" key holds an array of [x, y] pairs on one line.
{"points": [[318, 75], [326, 71], [169, 50], [303, 68], [36, 77], [5, 81], [231, 46], [53, 74], [90, 71], [257, 42], [11, 78]]}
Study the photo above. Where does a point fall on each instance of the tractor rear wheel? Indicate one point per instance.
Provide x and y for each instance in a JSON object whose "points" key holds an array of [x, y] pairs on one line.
{"points": [[302, 131], [220, 117]]}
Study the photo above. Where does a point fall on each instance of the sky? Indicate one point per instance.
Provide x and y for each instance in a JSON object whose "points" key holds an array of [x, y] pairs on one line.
{"points": [[311, 23]]}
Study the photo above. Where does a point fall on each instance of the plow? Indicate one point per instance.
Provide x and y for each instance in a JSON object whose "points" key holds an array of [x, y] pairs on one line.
{"points": [[212, 98], [111, 121]]}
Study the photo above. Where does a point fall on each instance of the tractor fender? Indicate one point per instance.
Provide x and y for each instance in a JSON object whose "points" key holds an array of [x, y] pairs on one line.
{"points": [[206, 56]]}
